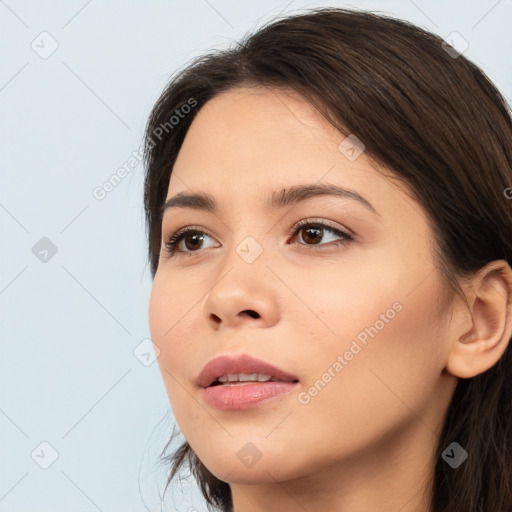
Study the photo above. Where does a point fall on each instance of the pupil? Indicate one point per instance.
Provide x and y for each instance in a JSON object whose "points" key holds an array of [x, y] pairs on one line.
{"points": [[318, 232], [196, 237]]}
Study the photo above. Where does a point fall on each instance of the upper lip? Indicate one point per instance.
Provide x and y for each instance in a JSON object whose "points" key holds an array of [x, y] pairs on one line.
{"points": [[242, 363]]}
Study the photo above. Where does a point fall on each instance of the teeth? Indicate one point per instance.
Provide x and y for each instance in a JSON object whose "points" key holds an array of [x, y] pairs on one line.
{"points": [[246, 377]]}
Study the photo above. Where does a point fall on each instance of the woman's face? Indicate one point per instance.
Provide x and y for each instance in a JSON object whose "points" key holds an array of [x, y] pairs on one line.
{"points": [[358, 322]]}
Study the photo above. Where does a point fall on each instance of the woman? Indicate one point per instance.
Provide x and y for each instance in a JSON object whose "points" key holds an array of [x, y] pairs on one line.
{"points": [[329, 220]]}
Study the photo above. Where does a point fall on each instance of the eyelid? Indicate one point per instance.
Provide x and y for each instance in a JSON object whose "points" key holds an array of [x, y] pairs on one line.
{"points": [[322, 222]]}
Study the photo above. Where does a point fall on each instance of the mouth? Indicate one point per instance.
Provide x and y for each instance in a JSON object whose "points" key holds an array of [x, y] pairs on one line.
{"points": [[241, 370], [242, 382], [246, 378]]}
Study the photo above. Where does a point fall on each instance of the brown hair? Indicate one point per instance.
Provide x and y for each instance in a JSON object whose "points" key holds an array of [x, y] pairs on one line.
{"points": [[437, 123]]}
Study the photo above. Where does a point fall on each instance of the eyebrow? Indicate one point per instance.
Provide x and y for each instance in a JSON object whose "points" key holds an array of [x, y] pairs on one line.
{"points": [[277, 199]]}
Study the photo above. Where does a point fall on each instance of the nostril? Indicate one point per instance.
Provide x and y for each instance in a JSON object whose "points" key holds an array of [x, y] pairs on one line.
{"points": [[251, 313]]}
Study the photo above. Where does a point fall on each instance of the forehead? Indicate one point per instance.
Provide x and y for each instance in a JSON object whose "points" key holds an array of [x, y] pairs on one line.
{"points": [[260, 112], [247, 143], [261, 134]]}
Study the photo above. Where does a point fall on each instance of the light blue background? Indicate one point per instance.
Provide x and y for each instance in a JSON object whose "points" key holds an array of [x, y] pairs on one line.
{"points": [[68, 374]]}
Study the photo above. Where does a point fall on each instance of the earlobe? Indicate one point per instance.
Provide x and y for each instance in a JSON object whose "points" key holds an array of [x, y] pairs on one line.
{"points": [[479, 336]]}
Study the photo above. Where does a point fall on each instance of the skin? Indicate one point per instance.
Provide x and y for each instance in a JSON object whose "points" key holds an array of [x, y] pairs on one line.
{"points": [[366, 441]]}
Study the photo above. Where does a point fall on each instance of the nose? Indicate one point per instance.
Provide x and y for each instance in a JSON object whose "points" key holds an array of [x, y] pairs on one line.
{"points": [[246, 294]]}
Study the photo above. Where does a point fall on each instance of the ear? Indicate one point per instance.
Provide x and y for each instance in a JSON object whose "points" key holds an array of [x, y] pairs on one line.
{"points": [[480, 331]]}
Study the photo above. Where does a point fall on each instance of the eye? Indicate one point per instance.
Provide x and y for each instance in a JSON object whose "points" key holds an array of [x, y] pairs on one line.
{"points": [[314, 230], [194, 236]]}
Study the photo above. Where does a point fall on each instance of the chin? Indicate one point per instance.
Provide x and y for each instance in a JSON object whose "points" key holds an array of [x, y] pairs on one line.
{"points": [[248, 465], [259, 474]]}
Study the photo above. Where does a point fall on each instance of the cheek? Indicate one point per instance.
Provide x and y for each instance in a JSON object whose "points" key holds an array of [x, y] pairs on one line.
{"points": [[171, 315], [386, 330], [173, 311], [175, 316], [393, 352]]}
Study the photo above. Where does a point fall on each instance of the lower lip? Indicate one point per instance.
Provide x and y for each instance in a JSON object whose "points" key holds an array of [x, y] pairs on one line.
{"points": [[244, 396]]}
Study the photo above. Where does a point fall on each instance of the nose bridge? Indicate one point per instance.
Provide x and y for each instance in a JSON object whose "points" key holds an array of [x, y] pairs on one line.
{"points": [[244, 262], [250, 249], [247, 232]]}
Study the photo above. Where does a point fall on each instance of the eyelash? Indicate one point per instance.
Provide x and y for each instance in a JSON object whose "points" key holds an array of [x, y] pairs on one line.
{"points": [[174, 240]]}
